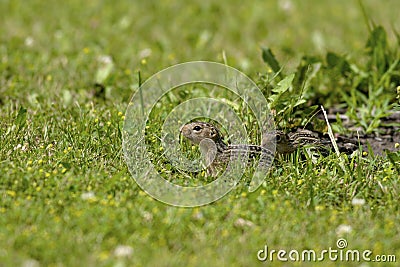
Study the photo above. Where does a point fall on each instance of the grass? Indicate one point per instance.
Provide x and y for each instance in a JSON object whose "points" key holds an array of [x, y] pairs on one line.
{"points": [[67, 72]]}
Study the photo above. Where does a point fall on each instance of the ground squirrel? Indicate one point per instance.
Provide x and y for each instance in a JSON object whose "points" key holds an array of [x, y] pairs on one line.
{"points": [[288, 143], [217, 152]]}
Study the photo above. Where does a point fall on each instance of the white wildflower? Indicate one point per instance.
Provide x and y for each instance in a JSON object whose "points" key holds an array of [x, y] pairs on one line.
{"points": [[29, 41], [358, 201], [145, 53], [242, 223], [105, 59], [88, 196], [123, 251], [343, 229]]}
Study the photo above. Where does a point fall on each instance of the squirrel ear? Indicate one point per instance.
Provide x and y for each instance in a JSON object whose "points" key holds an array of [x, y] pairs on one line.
{"points": [[214, 132]]}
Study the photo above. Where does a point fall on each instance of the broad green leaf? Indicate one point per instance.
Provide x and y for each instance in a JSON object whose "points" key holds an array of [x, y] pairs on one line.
{"points": [[284, 85]]}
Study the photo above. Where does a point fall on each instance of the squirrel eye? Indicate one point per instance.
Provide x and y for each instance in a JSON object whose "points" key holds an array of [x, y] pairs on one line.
{"points": [[197, 128], [278, 138]]}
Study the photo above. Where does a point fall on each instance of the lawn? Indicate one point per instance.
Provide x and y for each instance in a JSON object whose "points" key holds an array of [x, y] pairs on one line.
{"points": [[69, 70]]}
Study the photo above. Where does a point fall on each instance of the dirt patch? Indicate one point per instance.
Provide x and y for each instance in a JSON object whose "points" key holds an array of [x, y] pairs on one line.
{"points": [[385, 138]]}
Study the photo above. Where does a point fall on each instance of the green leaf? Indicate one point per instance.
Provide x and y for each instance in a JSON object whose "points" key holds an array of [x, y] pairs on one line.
{"points": [[284, 85], [377, 48], [66, 165], [394, 159], [299, 102], [338, 63], [377, 38], [270, 59], [20, 120]]}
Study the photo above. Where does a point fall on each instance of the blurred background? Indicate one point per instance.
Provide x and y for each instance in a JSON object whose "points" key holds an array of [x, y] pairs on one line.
{"points": [[151, 35]]}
